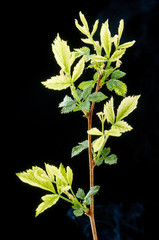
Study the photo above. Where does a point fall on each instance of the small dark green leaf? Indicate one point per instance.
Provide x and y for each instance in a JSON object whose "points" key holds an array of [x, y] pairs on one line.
{"points": [[67, 105], [119, 87], [85, 106], [97, 97], [87, 92], [78, 212], [111, 159], [99, 161], [80, 194], [93, 190], [87, 201], [78, 149], [117, 74], [105, 152]]}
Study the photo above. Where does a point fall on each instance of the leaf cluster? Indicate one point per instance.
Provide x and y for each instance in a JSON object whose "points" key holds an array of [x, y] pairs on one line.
{"points": [[58, 181], [105, 60], [86, 200], [118, 125]]}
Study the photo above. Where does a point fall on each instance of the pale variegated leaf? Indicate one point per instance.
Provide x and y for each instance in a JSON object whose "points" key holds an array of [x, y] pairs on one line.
{"points": [[113, 132], [118, 86], [48, 201], [69, 175], [57, 83], [37, 177], [117, 55], [95, 26], [94, 131], [54, 171], [127, 45], [127, 105], [122, 126], [62, 53], [78, 69], [105, 36], [120, 28], [109, 110], [98, 143]]}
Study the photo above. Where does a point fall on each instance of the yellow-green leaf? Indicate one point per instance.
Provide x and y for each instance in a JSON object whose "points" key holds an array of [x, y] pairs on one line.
{"points": [[117, 55], [98, 143], [109, 110], [78, 69], [54, 171], [69, 175], [95, 26], [57, 83], [94, 131], [113, 132], [127, 45], [62, 54], [37, 177], [127, 105], [105, 36], [122, 126], [48, 201], [120, 28]]}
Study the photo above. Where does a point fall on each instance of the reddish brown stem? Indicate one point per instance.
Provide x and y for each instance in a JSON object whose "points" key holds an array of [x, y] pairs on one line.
{"points": [[91, 165]]}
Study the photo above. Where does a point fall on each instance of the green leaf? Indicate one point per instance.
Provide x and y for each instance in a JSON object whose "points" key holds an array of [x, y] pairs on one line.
{"points": [[87, 92], [105, 36], [111, 159], [99, 161], [117, 74], [127, 105], [98, 143], [85, 84], [119, 87], [62, 53], [78, 69], [67, 105], [117, 55], [120, 28], [122, 126], [37, 177], [93, 190], [78, 212], [78, 149], [94, 131], [80, 194], [109, 110], [57, 83], [97, 97], [69, 175], [105, 152], [48, 201], [127, 45], [87, 201], [85, 106]]}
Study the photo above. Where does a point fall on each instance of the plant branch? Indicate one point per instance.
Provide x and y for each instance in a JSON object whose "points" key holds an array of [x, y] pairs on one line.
{"points": [[91, 164]]}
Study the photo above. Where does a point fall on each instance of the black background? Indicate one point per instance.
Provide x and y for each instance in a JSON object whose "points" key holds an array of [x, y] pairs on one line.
{"points": [[38, 133]]}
